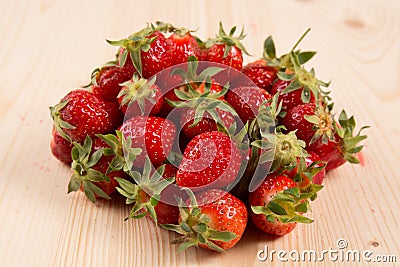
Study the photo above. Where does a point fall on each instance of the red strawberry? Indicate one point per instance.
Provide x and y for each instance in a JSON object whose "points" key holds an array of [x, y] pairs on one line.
{"points": [[246, 100], [311, 122], [140, 97], [183, 45], [154, 135], [81, 113], [194, 87], [277, 204], [261, 198], [233, 59], [291, 99], [210, 160], [216, 222], [106, 82], [205, 124], [345, 145], [260, 74], [226, 49], [90, 170], [60, 147], [148, 49]]}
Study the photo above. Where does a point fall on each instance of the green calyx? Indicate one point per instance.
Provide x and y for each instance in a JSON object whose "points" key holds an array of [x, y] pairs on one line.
{"points": [[199, 96], [289, 205], [169, 28], [138, 90], [121, 148], [191, 76], [262, 129], [58, 123], [229, 40], [323, 124], [195, 228], [291, 69], [349, 140], [287, 150], [135, 44], [146, 193], [83, 173]]}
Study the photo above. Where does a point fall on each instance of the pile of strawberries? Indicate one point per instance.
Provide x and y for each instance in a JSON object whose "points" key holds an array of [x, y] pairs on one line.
{"points": [[200, 143]]}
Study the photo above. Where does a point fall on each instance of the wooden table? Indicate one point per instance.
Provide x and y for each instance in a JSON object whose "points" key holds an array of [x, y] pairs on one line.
{"points": [[50, 47]]}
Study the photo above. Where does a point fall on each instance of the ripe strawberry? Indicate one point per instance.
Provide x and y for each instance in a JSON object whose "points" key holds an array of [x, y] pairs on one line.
{"points": [[90, 170], [81, 113], [151, 194], [226, 49], [60, 147], [311, 121], [148, 49], [291, 99], [207, 123], [183, 45], [154, 135], [246, 100], [343, 147], [210, 160], [216, 222], [277, 204], [140, 96], [260, 74], [106, 81], [193, 85]]}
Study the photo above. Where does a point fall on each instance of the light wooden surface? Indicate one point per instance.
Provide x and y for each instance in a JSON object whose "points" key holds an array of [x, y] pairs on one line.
{"points": [[50, 47]]}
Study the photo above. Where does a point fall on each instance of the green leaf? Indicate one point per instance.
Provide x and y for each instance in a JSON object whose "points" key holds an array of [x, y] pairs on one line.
{"points": [[185, 246], [302, 207], [276, 208], [74, 184], [136, 60], [221, 236], [285, 76], [303, 57], [269, 47], [88, 192]]}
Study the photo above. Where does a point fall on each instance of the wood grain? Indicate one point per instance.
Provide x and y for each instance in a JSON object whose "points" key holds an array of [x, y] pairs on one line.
{"points": [[50, 47]]}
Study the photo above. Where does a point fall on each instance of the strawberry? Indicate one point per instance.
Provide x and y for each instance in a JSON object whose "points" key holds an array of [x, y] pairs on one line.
{"points": [[246, 100], [291, 99], [81, 113], [343, 147], [312, 122], [260, 74], [151, 195], [210, 160], [277, 204], [192, 84], [90, 170], [154, 135], [207, 123], [182, 45], [140, 96], [214, 219], [148, 50], [106, 81], [60, 147], [226, 49]]}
